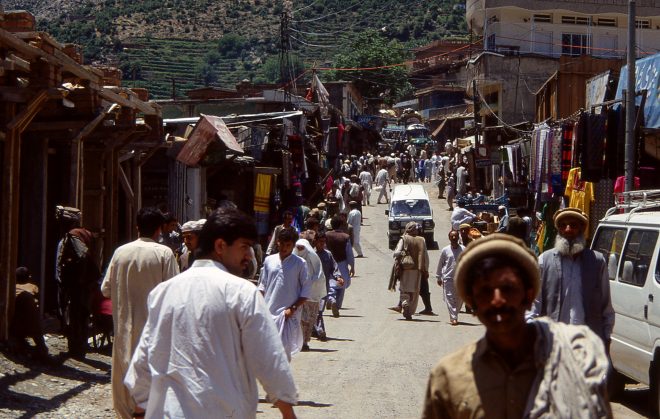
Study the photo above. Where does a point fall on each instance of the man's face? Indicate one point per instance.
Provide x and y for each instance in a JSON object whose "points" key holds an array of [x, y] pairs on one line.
{"points": [[288, 219], [236, 256], [169, 227], [286, 247], [453, 238], [190, 239], [500, 300], [464, 232], [570, 228], [319, 243]]}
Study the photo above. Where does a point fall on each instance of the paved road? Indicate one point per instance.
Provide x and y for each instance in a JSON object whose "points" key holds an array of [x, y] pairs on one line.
{"points": [[375, 364]]}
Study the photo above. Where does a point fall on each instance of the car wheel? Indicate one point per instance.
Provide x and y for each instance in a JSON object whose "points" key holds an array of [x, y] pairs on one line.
{"points": [[654, 397]]}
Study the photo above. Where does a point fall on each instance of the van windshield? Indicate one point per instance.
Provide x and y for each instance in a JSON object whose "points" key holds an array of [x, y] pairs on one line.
{"points": [[411, 207]]}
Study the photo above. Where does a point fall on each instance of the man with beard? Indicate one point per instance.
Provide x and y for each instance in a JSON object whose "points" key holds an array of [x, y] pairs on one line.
{"points": [[518, 369], [575, 286]]}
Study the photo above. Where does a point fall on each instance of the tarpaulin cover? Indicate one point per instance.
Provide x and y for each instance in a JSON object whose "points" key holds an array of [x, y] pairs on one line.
{"points": [[647, 75]]}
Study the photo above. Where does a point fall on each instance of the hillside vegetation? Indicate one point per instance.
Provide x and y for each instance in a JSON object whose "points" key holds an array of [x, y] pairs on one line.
{"points": [[194, 43]]}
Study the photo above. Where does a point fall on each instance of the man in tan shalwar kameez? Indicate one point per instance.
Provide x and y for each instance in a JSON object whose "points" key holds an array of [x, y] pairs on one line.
{"points": [[410, 279], [135, 269]]}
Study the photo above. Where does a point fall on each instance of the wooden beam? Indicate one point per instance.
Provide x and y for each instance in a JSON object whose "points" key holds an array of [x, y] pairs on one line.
{"points": [[14, 63], [58, 58], [123, 179], [136, 104]]}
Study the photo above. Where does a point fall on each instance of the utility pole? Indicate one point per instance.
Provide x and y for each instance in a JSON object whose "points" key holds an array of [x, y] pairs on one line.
{"points": [[630, 101], [285, 50], [476, 101]]}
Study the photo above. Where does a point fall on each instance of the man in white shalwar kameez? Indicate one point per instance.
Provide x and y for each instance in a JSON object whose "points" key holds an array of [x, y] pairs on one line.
{"points": [[209, 336], [134, 270], [354, 219], [285, 285]]}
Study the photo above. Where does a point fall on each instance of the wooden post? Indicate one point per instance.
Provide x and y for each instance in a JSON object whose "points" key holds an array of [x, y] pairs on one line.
{"points": [[10, 208]]}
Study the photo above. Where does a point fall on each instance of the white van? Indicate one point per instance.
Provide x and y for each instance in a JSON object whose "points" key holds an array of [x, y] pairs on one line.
{"points": [[631, 243], [409, 203]]}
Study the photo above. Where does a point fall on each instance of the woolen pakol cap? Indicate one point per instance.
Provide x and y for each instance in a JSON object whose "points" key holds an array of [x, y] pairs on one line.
{"points": [[570, 212], [496, 244]]}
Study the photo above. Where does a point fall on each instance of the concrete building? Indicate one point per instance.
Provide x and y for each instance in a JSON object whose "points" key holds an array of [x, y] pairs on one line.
{"points": [[563, 27]]}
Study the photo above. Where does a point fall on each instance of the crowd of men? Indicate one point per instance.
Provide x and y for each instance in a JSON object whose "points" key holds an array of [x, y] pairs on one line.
{"points": [[548, 319]]}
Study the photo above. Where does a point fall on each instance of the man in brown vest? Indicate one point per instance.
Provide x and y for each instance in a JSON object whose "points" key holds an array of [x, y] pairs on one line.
{"points": [[339, 244]]}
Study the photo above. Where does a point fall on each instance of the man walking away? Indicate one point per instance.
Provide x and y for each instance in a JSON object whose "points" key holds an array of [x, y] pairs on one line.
{"points": [[339, 244], [355, 220], [332, 279], [285, 285], [409, 284], [540, 369], [383, 181], [209, 336], [367, 182], [445, 274], [575, 287], [135, 269]]}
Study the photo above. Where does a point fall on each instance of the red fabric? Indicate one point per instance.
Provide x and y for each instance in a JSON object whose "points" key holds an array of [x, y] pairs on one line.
{"points": [[340, 135]]}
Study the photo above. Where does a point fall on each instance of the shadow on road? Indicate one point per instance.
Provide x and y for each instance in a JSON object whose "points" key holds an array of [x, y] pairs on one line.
{"points": [[340, 339], [321, 350], [313, 404], [637, 400], [349, 315]]}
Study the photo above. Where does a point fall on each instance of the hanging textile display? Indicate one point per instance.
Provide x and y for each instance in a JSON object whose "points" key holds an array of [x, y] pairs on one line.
{"points": [[579, 192], [262, 202], [556, 161], [593, 148], [566, 150]]}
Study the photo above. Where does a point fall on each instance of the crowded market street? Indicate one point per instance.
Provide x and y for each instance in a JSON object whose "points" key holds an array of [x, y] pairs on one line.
{"points": [[375, 364]]}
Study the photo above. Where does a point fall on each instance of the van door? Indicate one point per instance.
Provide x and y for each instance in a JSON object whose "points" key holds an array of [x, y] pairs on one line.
{"points": [[635, 301]]}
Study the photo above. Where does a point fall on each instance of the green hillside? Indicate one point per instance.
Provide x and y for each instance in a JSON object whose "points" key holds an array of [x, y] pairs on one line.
{"points": [[204, 42]]}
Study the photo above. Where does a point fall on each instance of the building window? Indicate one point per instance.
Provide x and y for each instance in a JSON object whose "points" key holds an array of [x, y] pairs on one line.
{"points": [[491, 42], [542, 18], [575, 44], [606, 21], [643, 23], [575, 20]]}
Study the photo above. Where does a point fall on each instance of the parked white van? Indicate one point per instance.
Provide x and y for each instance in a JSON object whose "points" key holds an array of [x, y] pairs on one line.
{"points": [[630, 243], [409, 203]]}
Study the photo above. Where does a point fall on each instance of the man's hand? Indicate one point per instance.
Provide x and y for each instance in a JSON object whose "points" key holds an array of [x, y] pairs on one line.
{"points": [[439, 282], [289, 312], [351, 273], [138, 412], [340, 281], [286, 409]]}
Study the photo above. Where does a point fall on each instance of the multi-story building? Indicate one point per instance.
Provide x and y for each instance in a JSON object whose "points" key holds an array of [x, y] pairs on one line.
{"points": [[564, 27]]}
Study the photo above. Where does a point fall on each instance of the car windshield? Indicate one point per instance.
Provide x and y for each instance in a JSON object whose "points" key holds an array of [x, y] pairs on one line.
{"points": [[411, 207]]}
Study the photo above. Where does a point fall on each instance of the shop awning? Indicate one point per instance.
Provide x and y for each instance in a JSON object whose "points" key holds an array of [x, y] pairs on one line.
{"points": [[439, 129], [207, 130]]}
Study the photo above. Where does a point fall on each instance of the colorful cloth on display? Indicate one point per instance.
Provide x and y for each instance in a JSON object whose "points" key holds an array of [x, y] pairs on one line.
{"points": [[579, 192], [566, 151], [262, 193], [556, 160]]}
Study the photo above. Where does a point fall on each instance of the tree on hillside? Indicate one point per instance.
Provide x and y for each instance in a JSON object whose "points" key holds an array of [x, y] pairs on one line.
{"points": [[271, 69], [371, 49]]}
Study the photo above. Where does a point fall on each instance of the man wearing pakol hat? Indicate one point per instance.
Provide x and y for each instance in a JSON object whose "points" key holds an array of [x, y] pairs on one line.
{"points": [[575, 286], [518, 369], [190, 232]]}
